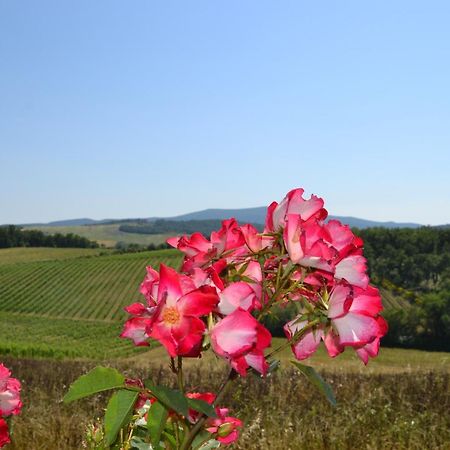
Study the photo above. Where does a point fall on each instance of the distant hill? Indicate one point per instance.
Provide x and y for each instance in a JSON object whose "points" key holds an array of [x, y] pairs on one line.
{"points": [[250, 215], [65, 223], [244, 215], [258, 215], [79, 222]]}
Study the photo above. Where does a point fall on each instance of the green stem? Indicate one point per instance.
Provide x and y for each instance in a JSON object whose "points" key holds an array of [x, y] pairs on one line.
{"points": [[177, 433], [281, 281], [198, 426], [297, 336], [180, 374]]}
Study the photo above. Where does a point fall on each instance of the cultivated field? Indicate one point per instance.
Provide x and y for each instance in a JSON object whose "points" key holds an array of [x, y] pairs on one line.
{"points": [[59, 302], [108, 235], [33, 254], [71, 307]]}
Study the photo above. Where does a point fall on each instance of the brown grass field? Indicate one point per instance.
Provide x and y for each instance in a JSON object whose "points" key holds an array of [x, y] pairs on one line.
{"points": [[402, 401]]}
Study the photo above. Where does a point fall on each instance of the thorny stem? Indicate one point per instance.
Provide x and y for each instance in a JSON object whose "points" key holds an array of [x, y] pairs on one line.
{"points": [[197, 427]]}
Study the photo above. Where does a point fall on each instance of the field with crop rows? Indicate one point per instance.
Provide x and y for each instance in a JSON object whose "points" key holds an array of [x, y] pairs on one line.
{"points": [[64, 303], [30, 254], [72, 307]]}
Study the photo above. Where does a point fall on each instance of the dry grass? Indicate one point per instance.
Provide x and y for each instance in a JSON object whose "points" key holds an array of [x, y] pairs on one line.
{"points": [[390, 360], [382, 410]]}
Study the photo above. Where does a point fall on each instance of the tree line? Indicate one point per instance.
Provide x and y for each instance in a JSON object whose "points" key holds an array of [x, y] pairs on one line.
{"points": [[163, 226], [415, 265], [412, 258], [14, 236]]}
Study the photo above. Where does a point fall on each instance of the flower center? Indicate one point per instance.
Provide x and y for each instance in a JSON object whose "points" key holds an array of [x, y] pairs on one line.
{"points": [[171, 316]]}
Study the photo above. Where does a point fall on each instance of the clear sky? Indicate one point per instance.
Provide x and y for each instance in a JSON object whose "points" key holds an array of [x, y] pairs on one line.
{"points": [[145, 108]]}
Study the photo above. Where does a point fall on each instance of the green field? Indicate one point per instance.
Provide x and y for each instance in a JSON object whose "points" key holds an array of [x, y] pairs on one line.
{"points": [[39, 337], [71, 307], [107, 235], [69, 302], [33, 254]]}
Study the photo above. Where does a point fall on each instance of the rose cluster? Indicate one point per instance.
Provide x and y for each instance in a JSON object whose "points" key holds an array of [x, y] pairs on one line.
{"points": [[10, 403], [229, 282]]}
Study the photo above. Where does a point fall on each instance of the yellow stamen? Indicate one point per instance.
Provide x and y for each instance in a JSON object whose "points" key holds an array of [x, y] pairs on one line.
{"points": [[171, 316]]}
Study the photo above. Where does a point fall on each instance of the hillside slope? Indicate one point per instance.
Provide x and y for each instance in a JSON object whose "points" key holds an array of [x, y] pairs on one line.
{"points": [[74, 307]]}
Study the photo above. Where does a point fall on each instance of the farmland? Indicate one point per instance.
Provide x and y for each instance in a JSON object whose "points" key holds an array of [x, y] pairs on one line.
{"points": [[107, 235], [59, 307], [34, 254], [71, 306]]}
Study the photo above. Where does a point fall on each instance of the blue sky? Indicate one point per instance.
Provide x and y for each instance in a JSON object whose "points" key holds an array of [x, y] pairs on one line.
{"points": [[137, 109]]}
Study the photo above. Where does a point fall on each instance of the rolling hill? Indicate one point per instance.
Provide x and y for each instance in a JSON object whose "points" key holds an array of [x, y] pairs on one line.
{"points": [[246, 215], [105, 234], [258, 215], [109, 232], [71, 305]]}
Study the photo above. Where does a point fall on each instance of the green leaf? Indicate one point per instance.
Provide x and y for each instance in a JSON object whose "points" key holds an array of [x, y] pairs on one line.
{"points": [[171, 398], [204, 441], [138, 444], [97, 380], [322, 386], [156, 421], [118, 412], [202, 407], [170, 439], [9, 422], [210, 445]]}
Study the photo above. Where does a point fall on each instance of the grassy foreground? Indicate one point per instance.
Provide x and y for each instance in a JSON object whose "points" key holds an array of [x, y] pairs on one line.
{"points": [[403, 410]]}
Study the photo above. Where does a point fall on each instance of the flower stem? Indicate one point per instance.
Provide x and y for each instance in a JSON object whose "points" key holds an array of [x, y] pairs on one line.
{"points": [[198, 426], [180, 374], [297, 336]]}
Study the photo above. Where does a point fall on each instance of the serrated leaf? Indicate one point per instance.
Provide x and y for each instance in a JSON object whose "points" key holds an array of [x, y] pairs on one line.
{"points": [[322, 386], [156, 421], [97, 380], [171, 398], [202, 407], [118, 412]]}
